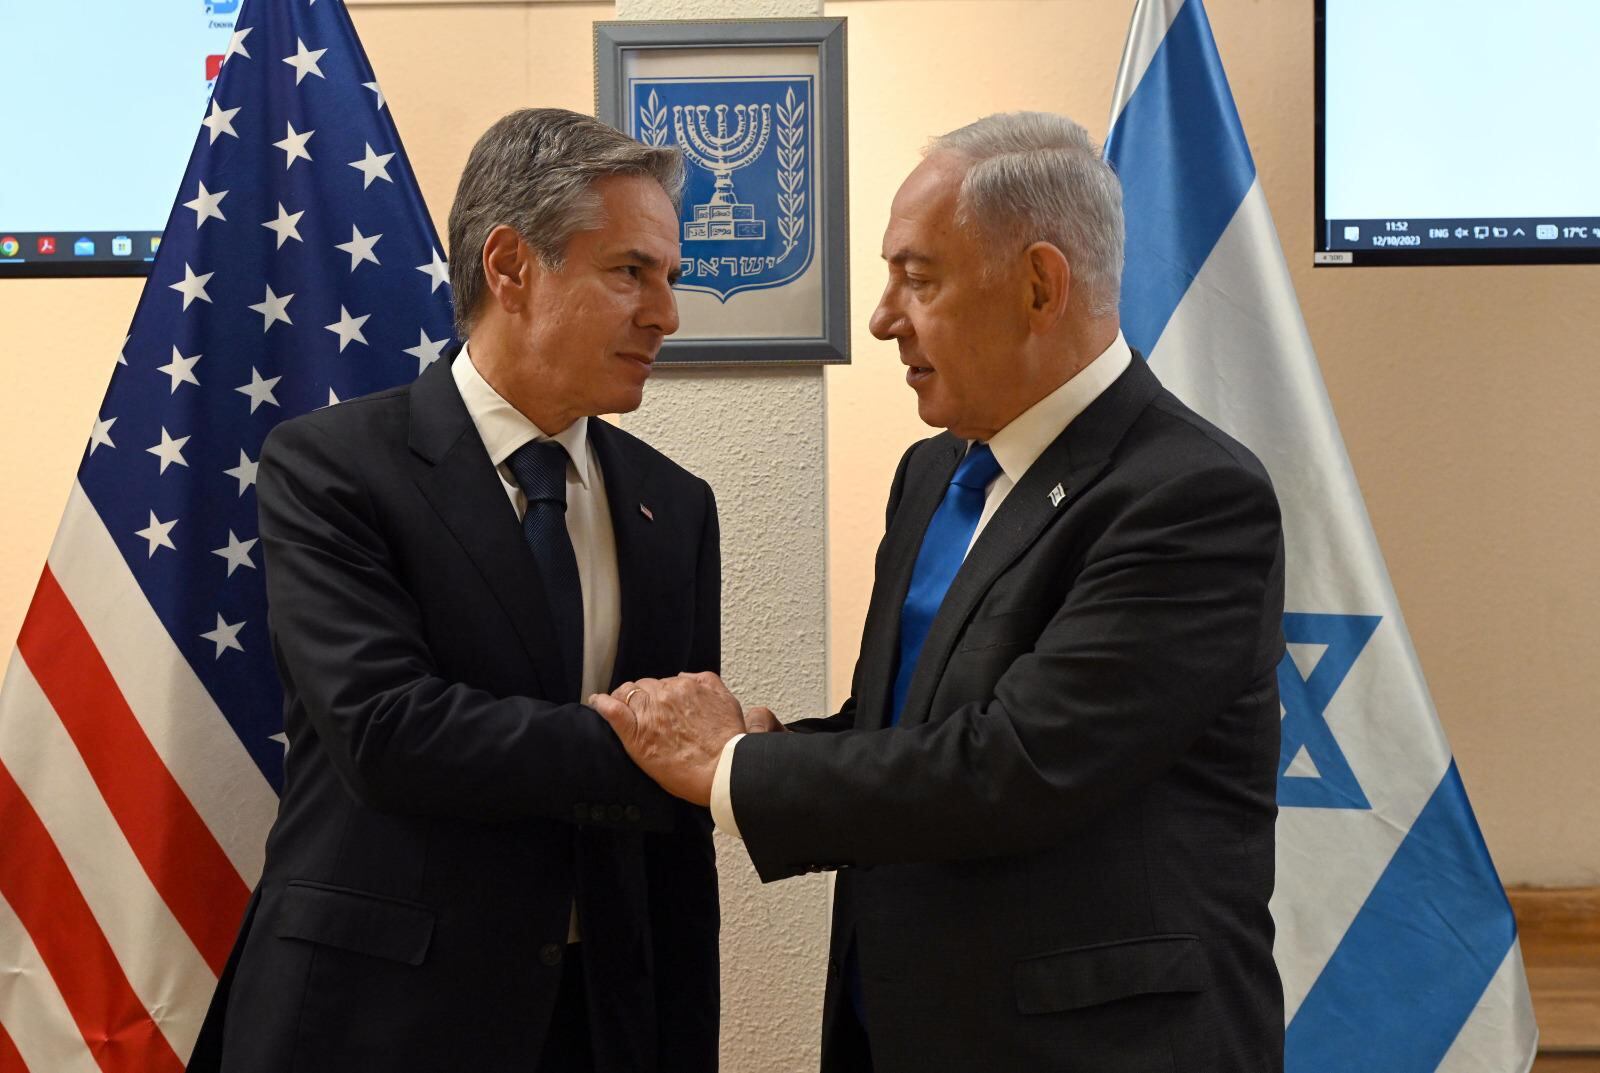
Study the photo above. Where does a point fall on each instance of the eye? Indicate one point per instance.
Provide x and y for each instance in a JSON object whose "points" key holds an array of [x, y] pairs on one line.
{"points": [[631, 270]]}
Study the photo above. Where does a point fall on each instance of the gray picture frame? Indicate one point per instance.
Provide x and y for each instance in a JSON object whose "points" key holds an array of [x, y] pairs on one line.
{"points": [[613, 40]]}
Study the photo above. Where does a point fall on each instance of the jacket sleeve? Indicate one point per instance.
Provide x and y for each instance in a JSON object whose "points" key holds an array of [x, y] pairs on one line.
{"points": [[350, 644], [685, 917], [1157, 635]]}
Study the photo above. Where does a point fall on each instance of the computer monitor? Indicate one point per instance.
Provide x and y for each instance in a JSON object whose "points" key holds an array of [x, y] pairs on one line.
{"points": [[1457, 132], [103, 101]]}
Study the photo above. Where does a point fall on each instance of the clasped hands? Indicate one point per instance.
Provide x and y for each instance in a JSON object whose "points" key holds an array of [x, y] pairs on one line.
{"points": [[675, 728]]}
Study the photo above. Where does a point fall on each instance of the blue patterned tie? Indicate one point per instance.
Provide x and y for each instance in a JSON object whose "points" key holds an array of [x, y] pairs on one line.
{"points": [[944, 547], [540, 467]]}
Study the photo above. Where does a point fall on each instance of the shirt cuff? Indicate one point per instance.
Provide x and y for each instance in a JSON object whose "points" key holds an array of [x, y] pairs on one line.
{"points": [[722, 790]]}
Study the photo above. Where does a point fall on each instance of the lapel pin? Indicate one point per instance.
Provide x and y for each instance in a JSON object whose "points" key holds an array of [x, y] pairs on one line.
{"points": [[1057, 494], [646, 512]]}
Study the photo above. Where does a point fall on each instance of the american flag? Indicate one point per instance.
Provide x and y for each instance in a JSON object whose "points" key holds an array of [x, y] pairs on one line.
{"points": [[141, 743]]}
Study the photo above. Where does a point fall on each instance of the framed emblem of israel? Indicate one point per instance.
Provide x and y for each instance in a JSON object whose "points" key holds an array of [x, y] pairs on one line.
{"points": [[757, 107]]}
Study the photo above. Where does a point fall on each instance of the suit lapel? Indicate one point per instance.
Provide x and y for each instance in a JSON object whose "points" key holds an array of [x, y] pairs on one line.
{"points": [[924, 490], [465, 491], [638, 538], [1072, 462]]}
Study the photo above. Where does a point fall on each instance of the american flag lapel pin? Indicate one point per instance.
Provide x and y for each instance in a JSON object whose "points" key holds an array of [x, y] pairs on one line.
{"points": [[1057, 494], [649, 517]]}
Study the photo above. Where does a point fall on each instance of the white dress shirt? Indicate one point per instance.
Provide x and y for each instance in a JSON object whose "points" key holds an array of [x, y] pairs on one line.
{"points": [[503, 429], [1016, 447]]}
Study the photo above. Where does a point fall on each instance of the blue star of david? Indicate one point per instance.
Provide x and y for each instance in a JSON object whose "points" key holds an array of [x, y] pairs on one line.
{"points": [[1305, 705]]}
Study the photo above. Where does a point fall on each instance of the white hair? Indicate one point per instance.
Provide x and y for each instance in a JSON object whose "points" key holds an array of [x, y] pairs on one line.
{"points": [[1037, 177]]}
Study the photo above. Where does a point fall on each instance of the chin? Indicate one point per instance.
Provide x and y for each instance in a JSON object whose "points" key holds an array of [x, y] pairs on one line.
{"points": [[626, 401], [932, 413]]}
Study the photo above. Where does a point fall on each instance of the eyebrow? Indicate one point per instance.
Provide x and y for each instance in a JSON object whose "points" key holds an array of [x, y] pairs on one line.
{"points": [[906, 257], [650, 260]]}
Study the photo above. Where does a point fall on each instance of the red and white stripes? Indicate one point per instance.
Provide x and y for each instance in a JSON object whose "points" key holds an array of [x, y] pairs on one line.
{"points": [[133, 820]]}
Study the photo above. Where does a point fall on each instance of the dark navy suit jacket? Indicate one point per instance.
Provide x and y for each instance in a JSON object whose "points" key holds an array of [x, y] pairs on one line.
{"points": [[446, 798]]}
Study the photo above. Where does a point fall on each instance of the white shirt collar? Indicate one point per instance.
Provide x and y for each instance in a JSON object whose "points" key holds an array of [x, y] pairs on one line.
{"points": [[1019, 444], [503, 428]]}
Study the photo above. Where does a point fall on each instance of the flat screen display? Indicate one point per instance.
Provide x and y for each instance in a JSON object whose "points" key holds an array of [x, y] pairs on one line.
{"points": [[100, 104], [1458, 131]]}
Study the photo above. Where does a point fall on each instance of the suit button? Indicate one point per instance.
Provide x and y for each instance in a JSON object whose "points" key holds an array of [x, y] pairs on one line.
{"points": [[580, 812], [614, 813], [597, 814], [550, 954], [631, 813]]}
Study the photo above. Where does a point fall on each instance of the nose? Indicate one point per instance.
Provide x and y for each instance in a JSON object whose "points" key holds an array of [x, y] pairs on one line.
{"points": [[659, 308], [888, 320]]}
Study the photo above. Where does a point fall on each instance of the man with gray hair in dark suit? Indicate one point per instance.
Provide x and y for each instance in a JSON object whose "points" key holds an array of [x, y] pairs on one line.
{"points": [[1050, 797], [467, 872]]}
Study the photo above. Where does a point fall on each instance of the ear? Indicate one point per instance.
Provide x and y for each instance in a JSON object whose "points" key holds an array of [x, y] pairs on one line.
{"points": [[508, 267], [1049, 279]]}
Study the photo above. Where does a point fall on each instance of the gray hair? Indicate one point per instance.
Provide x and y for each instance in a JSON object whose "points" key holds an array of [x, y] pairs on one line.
{"points": [[1037, 177], [533, 171]]}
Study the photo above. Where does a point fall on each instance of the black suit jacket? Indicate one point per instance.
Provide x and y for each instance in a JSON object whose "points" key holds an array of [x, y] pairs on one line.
{"points": [[446, 799], [1061, 858]]}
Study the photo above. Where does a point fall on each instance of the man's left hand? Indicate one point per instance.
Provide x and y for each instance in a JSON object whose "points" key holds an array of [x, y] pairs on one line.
{"points": [[674, 729]]}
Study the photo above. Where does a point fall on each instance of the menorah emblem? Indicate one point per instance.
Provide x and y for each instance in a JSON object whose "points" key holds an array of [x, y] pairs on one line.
{"points": [[703, 135], [757, 131]]}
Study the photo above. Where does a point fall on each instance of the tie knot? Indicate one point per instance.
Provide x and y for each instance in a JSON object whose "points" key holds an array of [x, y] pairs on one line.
{"points": [[977, 469], [540, 467]]}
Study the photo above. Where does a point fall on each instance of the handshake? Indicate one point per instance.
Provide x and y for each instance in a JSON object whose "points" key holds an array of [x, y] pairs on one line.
{"points": [[676, 728]]}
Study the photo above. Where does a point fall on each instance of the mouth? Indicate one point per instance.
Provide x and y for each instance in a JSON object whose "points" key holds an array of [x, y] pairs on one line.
{"points": [[916, 374], [646, 361]]}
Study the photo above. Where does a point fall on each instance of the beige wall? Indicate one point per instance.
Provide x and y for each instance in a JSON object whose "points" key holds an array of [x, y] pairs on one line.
{"points": [[1463, 393]]}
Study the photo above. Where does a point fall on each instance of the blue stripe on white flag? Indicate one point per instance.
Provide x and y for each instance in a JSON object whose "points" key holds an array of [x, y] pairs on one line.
{"points": [[1417, 957], [1185, 167]]}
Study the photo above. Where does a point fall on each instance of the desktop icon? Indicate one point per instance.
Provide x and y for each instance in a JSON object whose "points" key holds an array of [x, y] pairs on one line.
{"points": [[9, 246], [84, 247], [155, 243], [221, 7], [1546, 231], [1352, 233], [213, 66], [122, 246], [1480, 232], [1500, 232], [47, 244]]}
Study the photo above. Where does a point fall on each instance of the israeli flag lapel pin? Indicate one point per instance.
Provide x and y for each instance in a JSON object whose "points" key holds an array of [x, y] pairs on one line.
{"points": [[1057, 494]]}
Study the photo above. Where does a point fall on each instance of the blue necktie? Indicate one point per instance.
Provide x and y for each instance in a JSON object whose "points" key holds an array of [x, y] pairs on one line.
{"points": [[540, 467], [944, 547]]}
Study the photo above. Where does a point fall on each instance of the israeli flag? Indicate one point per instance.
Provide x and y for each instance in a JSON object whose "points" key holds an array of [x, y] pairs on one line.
{"points": [[1395, 940]]}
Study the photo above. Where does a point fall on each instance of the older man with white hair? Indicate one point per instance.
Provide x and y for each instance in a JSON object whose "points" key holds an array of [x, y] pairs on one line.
{"points": [[1051, 793]]}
